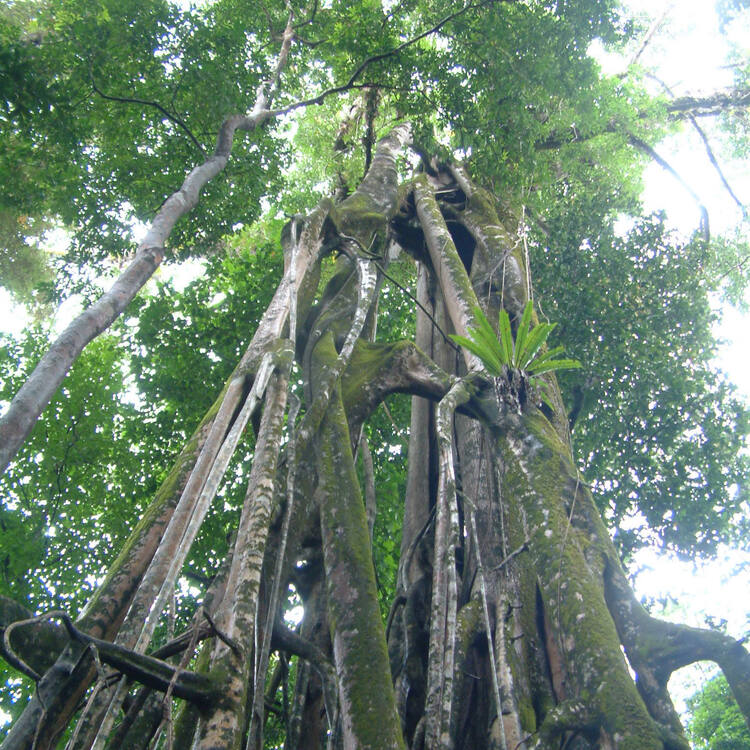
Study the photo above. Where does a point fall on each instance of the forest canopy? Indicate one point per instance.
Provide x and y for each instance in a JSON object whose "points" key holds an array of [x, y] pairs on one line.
{"points": [[218, 135]]}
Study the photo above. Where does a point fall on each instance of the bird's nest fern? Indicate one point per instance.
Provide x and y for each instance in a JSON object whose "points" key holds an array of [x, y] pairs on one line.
{"points": [[516, 364]]}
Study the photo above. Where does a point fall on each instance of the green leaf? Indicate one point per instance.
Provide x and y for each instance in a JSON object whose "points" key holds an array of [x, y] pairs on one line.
{"points": [[486, 333], [534, 342], [487, 356], [506, 338], [495, 352], [523, 329], [551, 353], [555, 364]]}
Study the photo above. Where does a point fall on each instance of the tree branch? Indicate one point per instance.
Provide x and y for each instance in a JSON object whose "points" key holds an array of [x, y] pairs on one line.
{"points": [[178, 121], [656, 648], [650, 35], [677, 109], [713, 104], [318, 99], [35, 646], [49, 373], [147, 670], [664, 164], [709, 151]]}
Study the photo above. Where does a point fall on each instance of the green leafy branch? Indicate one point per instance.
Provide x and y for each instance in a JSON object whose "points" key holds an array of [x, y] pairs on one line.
{"points": [[502, 353]]}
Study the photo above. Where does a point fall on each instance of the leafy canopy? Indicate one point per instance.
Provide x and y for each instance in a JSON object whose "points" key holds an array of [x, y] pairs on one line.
{"points": [[716, 722]]}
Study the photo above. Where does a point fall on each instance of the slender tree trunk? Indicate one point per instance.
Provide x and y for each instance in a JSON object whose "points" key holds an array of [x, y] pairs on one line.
{"points": [[36, 392]]}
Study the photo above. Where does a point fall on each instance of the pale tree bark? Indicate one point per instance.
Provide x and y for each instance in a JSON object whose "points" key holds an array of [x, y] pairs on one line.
{"points": [[444, 611]]}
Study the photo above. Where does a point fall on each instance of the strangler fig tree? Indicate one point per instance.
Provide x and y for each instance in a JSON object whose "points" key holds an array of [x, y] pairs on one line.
{"points": [[333, 505], [513, 624]]}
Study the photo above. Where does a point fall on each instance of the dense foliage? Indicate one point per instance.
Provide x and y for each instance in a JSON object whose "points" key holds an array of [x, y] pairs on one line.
{"points": [[715, 721]]}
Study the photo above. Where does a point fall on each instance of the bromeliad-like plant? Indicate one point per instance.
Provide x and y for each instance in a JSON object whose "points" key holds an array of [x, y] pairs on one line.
{"points": [[501, 353]]}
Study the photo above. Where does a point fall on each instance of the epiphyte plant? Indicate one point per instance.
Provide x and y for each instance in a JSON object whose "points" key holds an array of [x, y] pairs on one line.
{"points": [[501, 354]]}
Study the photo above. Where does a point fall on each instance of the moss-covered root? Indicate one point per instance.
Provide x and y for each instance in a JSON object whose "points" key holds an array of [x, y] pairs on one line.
{"points": [[656, 648], [223, 727], [595, 693], [63, 687], [368, 705], [454, 282], [439, 729], [377, 370]]}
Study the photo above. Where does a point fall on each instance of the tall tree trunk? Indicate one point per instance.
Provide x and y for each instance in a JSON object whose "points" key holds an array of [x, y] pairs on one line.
{"points": [[36, 392]]}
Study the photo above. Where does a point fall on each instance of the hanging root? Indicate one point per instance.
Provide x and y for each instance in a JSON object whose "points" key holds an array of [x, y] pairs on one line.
{"points": [[439, 702]]}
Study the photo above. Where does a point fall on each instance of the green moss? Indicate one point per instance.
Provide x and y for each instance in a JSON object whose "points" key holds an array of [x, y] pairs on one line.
{"points": [[354, 615], [358, 217], [468, 624], [527, 716], [543, 479], [482, 203], [367, 361], [482, 206]]}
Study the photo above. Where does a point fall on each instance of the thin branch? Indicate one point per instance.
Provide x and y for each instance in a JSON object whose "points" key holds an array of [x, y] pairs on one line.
{"points": [[714, 104], [444, 603], [195, 633], [178, 121], [643, 146], [9, 653], [678, 109], [651, 32], [146, 669], [417, 303], [393, 281], [471, 521], [709, 150], [368, 471], [511, 555], [318, 99], [220, 635]]}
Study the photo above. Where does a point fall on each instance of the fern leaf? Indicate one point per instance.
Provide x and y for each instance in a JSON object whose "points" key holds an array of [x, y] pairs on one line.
{"points": [[523, 330], [487, 355], [534, 342], [556, 364], [506, 338]]}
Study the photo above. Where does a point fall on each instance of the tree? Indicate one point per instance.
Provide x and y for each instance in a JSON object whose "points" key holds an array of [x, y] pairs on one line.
{"points": [[507, 606], [715, 721]]}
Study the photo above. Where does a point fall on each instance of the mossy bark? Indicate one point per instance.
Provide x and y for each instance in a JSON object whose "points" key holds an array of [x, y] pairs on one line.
{"points": [[369, 718], [595, 695]]}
